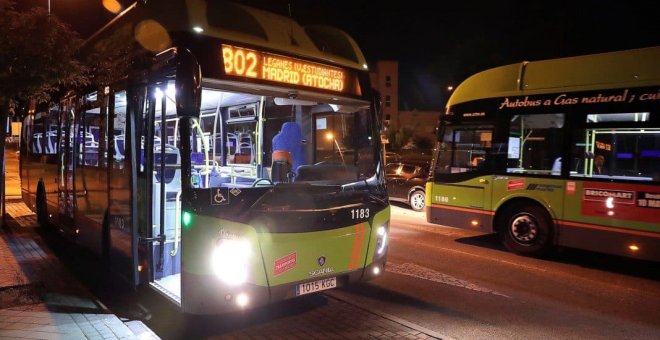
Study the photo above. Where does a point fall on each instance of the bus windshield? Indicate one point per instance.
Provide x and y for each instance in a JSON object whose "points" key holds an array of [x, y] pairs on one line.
{"points": [[243, 139]]}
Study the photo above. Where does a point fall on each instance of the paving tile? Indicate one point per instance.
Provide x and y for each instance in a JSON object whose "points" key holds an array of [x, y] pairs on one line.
{"points": [[24, 259], [13, 333]]}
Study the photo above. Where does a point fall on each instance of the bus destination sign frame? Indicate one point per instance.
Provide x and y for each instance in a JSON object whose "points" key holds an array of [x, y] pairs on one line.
{"points": [[275, 68]]}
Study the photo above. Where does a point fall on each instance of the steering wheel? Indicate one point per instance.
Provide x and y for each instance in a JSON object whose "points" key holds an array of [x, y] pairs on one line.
{"points": [[254, 184]]}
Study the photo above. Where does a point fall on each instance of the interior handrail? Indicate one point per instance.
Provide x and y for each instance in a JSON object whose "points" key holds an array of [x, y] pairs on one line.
{"points": [[177, 223]]}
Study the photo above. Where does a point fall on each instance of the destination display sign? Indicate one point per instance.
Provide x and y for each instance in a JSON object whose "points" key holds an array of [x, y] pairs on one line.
{"points": [[243, 62]]}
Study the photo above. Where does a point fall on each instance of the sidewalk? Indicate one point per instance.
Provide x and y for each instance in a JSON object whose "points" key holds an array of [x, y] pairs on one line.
{"points": [[40, 298]]}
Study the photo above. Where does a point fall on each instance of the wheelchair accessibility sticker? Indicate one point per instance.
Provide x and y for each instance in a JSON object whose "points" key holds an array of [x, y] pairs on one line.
{"points": [[220, 196]]}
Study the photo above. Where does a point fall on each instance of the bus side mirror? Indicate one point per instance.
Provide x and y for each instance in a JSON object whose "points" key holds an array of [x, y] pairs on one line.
{"points": [[188, 85]]}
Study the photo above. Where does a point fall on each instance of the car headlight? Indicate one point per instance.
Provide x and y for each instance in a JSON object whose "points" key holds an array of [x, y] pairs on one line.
{"points": [[230, 260], [381, 240]]}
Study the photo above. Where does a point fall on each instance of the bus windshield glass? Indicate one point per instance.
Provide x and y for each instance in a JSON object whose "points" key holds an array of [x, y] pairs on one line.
{"points": [[242, 139]]}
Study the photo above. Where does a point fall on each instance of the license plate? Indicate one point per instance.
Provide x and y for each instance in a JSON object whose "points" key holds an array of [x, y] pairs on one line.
{"points": [[316, 286]]}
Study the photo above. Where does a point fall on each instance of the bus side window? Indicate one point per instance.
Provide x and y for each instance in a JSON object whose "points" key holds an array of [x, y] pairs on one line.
{"points": [[628, 153], [464, 150], [535, 144], [119, 124]]}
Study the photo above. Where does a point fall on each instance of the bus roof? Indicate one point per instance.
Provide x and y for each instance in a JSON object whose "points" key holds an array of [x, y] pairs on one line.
{"points": [[237, 23], [629, 68]]}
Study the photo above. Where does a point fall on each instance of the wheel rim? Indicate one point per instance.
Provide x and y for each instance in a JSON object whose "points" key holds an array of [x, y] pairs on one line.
{"points": [[524, 229], [417, 201]]}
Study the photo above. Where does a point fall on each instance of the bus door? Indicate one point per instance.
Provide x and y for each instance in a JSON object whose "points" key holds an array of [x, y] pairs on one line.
{"points": [[162, 159], [461, 194], [119, 230], [66, 163]]}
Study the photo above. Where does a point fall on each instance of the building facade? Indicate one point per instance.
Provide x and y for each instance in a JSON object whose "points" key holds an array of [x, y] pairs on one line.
{"points": [[410, 125]]}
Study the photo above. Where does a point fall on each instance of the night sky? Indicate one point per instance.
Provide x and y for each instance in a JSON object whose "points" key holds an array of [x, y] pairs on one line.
{"points": [[442, 42]]}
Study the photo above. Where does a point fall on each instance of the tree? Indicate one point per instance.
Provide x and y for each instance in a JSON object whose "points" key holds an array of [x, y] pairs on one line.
{"points": [[400, 137], [38, 55], [422, 142]]}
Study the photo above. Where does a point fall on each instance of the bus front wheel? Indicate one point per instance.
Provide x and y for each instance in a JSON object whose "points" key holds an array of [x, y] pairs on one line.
{"points": [[526, 230]]}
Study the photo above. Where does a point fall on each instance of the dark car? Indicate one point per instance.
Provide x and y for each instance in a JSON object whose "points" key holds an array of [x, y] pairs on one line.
{"points": [[406, 182], [392, 157]]}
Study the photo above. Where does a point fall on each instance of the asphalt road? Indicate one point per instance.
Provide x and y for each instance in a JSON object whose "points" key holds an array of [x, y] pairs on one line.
{"points": [[465, 285]]}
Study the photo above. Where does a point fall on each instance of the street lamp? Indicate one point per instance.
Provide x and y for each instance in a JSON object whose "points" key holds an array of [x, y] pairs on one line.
{"points": [[331, 137]]}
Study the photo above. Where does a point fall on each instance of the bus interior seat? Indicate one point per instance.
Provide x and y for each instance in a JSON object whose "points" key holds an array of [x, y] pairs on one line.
{"points": [[172, 159], [198, 168], [281, 166], [51, 142], [119, 147], [246, 146], [290, 138], [232, 143], [217, 178], [556, 166], [94, 132], [241, 159], [36, 143], [577, 162], [90, 139], [240, 148], [197, 158]]}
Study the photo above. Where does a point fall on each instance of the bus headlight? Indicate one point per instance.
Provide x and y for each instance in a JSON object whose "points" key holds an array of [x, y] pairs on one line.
{"points": [[381, 240], [230, 260]]}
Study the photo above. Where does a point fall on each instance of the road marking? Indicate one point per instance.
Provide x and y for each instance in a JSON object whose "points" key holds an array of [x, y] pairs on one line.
{"points": [[417, 271], [555, 272], [445, 231], [471, 254]]}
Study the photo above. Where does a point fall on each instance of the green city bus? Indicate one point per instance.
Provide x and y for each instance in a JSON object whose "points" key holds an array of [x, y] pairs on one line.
{"points": [[561, 152], [227, 157]]}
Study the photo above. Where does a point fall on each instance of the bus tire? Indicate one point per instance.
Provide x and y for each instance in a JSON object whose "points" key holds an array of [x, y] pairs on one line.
{"points": [[526, 229], [417, 200], [42, 210]]}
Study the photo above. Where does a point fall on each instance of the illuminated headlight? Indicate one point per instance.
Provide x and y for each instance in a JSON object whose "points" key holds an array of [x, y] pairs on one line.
{"points": [[230, 259], [381, 240]]}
